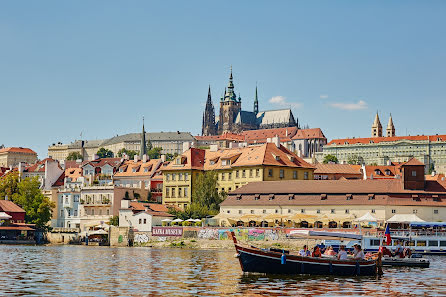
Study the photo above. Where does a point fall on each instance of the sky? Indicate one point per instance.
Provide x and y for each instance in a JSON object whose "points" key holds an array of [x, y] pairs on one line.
{"points": [[95, 68]]}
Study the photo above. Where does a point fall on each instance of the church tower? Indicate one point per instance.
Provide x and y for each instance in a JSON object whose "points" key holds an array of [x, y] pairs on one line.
{"points": [[209, 127], [143, 147], [390, 130], [377, 128], [256, 104], [229, 108]]}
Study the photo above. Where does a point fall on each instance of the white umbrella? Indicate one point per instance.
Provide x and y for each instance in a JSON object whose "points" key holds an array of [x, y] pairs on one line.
{"points": [[190, 220], [166, 220], [4, 216], [177, 221], [197, 220], [368, 217], [98, 232]]}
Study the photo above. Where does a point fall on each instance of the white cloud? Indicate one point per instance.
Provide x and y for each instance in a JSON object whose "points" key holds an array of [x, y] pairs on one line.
{"points": [[280, 100], [323, 96], [350, 106]]}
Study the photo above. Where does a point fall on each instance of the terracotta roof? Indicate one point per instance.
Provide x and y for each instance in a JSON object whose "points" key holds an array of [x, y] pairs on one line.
{"points": [[262, 135], [137, 206], [60, 181], [159, 214], [40, 166], [382, 172], [412, 162], [368, 140], [73, 164], [17, 228], [435, 177], [336, 169], [224, 136], [141, 168], [73, 173], [368, 186], [9, 206], [262, 154], [114, 162], [156, 207], [17, 150], [309, 133]]}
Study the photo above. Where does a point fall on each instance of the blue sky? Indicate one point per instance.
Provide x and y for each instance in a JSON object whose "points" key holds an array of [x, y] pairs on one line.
{"points": [[97, 67]]}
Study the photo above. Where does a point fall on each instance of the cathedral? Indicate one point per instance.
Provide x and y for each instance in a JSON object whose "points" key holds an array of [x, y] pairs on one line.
{"points": [[233, 119]]}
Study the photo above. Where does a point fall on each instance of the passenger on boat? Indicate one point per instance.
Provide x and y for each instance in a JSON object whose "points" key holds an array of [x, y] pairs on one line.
{"points": [[358, 254], [304, 252], [330, 252], [316, 252], [342, 255], [399, 249], [385, 251]]}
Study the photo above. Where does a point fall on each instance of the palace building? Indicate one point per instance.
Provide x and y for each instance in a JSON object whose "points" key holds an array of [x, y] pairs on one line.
{"points": [[235, 120]]}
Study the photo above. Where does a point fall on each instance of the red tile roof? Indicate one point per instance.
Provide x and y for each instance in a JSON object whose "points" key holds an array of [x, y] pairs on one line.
{"points": [[382, 172], [39, 166], [368, 140], [224, 136], [309, 134], [336, 169], [17, 150], [114, 162], [9, 206], [261, 136], [60, 181]]}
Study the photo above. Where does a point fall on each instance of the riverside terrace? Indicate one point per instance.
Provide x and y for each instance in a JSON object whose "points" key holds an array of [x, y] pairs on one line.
{"points": [[335, 203]]}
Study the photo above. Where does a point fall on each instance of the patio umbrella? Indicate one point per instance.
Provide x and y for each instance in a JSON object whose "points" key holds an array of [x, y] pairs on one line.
{"points": [[190, 220], [177, 221], [197, 220], [166, 220]]}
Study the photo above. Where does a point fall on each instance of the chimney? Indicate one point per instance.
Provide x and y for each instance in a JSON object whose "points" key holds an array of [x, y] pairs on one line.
{"points": [[186, 146], [268, 140], [163, 158], [125, 203], [276, 140], [135, 158], [230, 145]]}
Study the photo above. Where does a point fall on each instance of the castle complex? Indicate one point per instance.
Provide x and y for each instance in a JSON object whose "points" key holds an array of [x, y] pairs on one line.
{"points": [[233, 119]]}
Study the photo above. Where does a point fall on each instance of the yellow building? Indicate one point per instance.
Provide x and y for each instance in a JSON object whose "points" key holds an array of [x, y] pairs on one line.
{"points": [[235, 167], [12, 156]]}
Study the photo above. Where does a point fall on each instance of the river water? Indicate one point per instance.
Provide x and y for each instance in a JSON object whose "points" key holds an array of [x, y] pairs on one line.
{"points": [[105, 271]]}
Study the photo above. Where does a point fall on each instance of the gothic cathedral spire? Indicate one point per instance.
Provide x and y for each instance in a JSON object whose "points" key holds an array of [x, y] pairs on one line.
{"points": [[143, 148], [390, 130], [256, 103], [377, 129], [209, 127]]}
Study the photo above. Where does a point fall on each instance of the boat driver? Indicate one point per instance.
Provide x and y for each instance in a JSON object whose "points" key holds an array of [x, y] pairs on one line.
{"points": [[304, 252], [399, 249]]}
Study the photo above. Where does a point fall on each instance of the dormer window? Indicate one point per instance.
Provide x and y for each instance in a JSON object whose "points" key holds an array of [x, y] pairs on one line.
{"points": [[239, 197], [323, 196], [257, 197], [271, 197], [225, 162], [178, 161], [291, 197], [371, 196], [388, 172], [146, 169], [133, 169], [349, 196], [121, 169], [377, 172]]}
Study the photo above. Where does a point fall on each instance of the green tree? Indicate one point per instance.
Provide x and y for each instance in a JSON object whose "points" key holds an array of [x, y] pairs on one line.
{"points": [[129, 153], [355, 160], [330, 159], [9, 185], [37, 206], [73, 156], [154, 153], [205, 191], [170, 157], [104, 153], [114, 221]]}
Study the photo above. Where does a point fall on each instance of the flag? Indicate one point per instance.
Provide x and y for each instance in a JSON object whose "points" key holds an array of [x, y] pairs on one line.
{"points": [[387, 235]]}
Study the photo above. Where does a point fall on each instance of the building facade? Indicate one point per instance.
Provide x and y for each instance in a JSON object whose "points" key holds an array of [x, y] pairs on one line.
{"points": [[13, 156], [233, 119], [234, 167]]}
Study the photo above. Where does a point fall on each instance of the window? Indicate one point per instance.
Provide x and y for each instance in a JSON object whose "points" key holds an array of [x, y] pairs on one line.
{"points": [[393, 210], [414, 173], [374, 242], [318, 211], [270, 172], [250, 172], [186, 176], [294, 174], [252, 210], [240, 211], [228, 211], [373, 211], [180, 192], [306, 175], [414, 211], [61, 213], [75, 212], [230, 176], [347, 211], [174, 176], [277, 211], [332, 211], [185, 192], [92, 212], [442, 243], [281, 173], [236, 174], [134, 170], [435, 211], [168, 176], [76, 198], [229, 189], [264, 211], [223, 176], [289, 210], [145, 221], [167, 192], [69, 212], [433, 243], [257, 172], [180, 176], [140, 221], [302, 210], [146, 169], [108, 212]]}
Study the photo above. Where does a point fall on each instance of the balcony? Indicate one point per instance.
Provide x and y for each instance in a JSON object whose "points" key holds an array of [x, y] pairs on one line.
{"points": [[91, 202]]}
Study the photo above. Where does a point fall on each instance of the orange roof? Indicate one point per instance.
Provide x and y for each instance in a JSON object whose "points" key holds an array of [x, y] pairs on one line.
{"points": [[73, 173], [262, 134], [309, 133], [262, 154], [9, 206], [17, 150], [435, 177], [40, 166], [139, 168], [382, 172], [114, 162], [336, 169], [412, 162], [347, 141], [224, 136]]}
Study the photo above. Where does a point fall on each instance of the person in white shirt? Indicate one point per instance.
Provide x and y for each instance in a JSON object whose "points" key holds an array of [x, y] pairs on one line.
{"points": [[304, 252], [342, 254], [358, 253], [398, 249]]}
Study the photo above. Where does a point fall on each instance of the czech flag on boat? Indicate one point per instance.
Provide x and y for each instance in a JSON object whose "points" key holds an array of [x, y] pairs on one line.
{"points": [[387, 234]]}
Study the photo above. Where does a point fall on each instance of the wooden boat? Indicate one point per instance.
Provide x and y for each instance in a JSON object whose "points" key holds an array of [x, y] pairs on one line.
{"points": [[406, 262], [274, 261]]}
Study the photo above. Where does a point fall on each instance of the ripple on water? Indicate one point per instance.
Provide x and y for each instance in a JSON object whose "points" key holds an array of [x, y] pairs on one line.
{"points": [[104, 271]]}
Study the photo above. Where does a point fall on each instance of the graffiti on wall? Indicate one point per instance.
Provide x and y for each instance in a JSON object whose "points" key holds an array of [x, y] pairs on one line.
{"points": [[241, 234], [141, 238]]}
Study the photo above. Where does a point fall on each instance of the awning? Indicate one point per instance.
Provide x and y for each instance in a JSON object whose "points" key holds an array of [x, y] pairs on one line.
{"points": [[251, 217], [275, 216], [428, 224], [98, 232], [368, 217], [325, 235], [4, 216], [404, 218], [299, 217]]}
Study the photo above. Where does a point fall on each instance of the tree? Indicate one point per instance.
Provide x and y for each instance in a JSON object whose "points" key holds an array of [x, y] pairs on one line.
{"points": [[355, 160], [73, 156], [38, 207], [9, 185], [154, 153], [170, 157], [104, 153], [114, 221], [129, 153], [330, 159]]}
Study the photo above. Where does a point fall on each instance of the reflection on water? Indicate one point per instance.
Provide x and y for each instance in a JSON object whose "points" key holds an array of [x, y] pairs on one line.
{"points": [[103, 271]]}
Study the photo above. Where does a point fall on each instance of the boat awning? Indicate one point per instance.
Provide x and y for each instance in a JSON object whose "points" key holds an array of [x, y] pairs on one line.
{"points": [[428, 224], [325, 235], [368, 217], [404, 218]]}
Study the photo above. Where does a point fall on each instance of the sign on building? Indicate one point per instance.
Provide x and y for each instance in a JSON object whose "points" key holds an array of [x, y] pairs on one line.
{"points": [[167, 231]]}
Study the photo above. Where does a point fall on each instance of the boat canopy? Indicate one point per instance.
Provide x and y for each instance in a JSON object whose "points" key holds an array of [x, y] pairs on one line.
{"points": [[428, 224], [325, 235]]}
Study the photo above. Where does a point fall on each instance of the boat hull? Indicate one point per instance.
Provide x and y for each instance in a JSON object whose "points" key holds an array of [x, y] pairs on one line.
{"points": [[406, 262], [259, 261]]}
